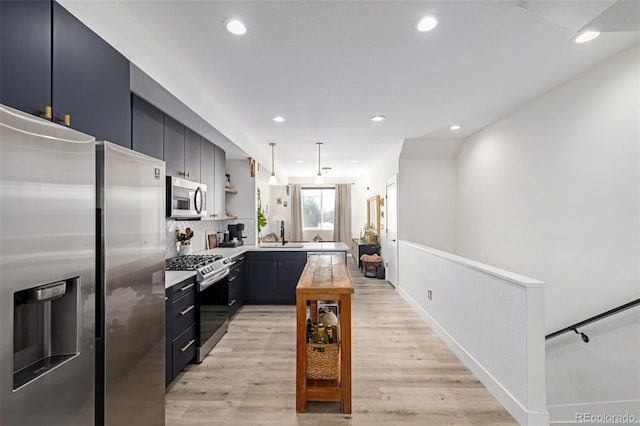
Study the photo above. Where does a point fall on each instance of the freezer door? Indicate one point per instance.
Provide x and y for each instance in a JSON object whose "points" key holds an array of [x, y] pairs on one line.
{"points": [[47, 244], [132, 206]]}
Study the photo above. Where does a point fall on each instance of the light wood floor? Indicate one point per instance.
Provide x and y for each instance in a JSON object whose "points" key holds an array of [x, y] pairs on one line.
{"points": [[403, 374]]}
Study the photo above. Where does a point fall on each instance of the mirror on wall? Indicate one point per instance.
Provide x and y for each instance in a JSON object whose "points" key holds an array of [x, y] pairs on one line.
{"points": [[373, 213]]}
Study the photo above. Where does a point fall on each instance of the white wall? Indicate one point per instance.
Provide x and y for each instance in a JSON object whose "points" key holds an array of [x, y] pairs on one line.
{"points": [[427, 208], [377, 185], [552, 191], [279, 192]]}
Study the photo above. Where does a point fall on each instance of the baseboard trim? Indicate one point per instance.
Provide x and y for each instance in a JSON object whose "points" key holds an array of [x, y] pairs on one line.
{"points": [[512, 405], [567, 413]]}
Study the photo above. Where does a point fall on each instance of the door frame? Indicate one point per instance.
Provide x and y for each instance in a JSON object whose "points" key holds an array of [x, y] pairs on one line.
{"points": [[392, 272]]}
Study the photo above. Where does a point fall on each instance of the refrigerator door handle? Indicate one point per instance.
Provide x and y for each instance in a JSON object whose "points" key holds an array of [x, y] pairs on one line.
{"points": [[44, 292]]}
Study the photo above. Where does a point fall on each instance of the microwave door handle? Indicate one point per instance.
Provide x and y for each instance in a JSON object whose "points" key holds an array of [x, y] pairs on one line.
{"points": [[197, 200]]}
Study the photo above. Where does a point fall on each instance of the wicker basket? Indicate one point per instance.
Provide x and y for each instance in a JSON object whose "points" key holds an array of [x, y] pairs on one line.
{"points": [[322, 361]]}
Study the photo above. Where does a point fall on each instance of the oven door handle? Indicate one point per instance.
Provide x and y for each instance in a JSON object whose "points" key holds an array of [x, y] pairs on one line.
{"points": [[211, 281]]}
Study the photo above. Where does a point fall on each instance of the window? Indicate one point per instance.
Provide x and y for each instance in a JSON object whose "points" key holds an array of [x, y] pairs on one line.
{"points": [[318, 205]]}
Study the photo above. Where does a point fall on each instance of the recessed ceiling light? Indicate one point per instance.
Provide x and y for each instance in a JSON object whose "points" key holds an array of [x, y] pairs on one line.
{"points": [[278, 119], [235, 26], [299, 161], [354, 161], [455, 127], [378, 118], [427, 23], [586, 36]]}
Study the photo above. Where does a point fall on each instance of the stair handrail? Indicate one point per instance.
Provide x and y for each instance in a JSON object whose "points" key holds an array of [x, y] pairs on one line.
{"points": [[595, 318]]}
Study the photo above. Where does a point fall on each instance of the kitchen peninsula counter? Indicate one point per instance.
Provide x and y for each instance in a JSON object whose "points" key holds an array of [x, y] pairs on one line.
{"points": [[174, 277], [315, 247]]}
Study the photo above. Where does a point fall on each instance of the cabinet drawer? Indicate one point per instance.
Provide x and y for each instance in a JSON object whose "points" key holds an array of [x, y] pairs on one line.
{"points": [[234, 287], [184, 349], [183, 313], [183, 288]]}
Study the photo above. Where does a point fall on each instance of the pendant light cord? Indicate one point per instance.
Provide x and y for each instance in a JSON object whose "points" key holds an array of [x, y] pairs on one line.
{"points": [[319, 145]]}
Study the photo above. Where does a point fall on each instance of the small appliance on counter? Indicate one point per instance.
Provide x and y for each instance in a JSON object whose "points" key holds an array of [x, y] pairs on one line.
{"points": [[234, 237]]}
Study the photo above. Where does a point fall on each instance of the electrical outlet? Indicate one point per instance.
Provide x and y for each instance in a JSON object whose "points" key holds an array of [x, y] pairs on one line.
{"points": [[429, 295]]}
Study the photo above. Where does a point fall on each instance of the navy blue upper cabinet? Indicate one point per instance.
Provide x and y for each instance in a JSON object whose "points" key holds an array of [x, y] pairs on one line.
{"points": [[181, 150], [25, 55], [49, 58], [207, 174], [192, 152], [147, 128], [174, 148], [90, 81]]}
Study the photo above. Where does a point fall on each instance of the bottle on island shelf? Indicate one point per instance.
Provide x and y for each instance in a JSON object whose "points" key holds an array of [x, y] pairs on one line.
{"points": [[322, 334]]}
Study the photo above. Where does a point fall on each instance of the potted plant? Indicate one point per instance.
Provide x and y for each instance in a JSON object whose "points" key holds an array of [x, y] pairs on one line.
{"points": [[369, 237], [261, 218]]}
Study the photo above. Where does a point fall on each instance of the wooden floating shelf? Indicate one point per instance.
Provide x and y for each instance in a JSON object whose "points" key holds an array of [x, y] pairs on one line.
{"points": [[230, 191], [230, 217]]}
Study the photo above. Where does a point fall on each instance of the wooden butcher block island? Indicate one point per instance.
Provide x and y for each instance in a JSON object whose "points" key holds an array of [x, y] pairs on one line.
{"points": [[323, 333]]}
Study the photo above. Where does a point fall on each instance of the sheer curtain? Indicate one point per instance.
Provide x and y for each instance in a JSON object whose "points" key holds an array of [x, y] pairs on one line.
{"points": [[342, 214], [296, 213]]}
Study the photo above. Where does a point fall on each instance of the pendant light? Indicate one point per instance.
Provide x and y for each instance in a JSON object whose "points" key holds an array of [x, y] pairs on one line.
{"points": [[273, 180], [319, 180]]}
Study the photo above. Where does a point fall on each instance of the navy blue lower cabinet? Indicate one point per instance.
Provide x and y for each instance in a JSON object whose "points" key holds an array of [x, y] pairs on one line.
{"points": [[180, 317], [273, 276]]}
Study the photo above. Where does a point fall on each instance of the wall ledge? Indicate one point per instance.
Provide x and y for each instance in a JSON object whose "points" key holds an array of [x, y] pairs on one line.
{"points": [[517, 279]]}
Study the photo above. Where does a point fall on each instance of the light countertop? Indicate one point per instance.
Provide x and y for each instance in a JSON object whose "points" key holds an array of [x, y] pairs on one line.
{"points": [[235, 251], [174, 277]]}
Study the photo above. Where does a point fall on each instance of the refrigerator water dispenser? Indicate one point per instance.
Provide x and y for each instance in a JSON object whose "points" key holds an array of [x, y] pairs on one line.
{"points": [[45, 329]]}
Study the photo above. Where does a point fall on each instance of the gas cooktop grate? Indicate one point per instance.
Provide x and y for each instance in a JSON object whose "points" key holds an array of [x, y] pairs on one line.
{"points": [[189, 262]]}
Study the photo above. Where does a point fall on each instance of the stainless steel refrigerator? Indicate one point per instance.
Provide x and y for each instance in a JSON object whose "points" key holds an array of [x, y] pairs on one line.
{"points": [[47, 273], [130, 340]]}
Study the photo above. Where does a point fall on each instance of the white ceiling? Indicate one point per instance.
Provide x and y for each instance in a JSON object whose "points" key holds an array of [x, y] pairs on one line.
{"points": [[327, 66]]}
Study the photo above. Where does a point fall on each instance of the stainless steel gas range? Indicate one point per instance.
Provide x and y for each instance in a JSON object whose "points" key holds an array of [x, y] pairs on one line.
{"points": [[212, 297]]}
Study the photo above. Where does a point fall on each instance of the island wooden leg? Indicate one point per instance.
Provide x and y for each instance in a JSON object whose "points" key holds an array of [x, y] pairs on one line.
{"points": [[301, 354], [345, 326]]}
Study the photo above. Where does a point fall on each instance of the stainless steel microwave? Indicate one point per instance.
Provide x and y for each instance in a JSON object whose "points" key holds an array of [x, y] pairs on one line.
{"points": [[186, 199]]}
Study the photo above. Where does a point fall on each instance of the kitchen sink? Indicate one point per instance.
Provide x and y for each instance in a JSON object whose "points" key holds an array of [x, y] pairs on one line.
{"points": [[280, 246]]}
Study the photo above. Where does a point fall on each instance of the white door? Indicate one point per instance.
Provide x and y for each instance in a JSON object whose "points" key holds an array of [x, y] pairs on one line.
{"points": [[391, 263]]}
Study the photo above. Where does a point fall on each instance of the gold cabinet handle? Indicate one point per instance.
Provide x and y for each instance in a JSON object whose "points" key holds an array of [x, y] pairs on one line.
{"points": [[47, 113], [187, 345], [66, 120], [187, 287], [186, 311], [185, 173]]}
